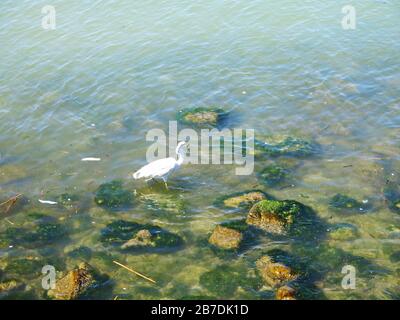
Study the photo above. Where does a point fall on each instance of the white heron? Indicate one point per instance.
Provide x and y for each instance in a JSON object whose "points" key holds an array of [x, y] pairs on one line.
{"points": [[162, 168]]}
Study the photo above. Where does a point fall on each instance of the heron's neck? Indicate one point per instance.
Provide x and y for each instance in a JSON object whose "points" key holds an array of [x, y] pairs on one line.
{"points": [[180, 158]]}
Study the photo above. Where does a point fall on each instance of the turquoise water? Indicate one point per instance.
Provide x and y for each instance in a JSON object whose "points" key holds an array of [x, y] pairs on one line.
{"points": [[112, 71]]}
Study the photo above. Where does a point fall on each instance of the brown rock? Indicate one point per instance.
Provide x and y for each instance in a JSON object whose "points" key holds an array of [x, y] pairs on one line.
{"points": [[274, 274], [273, 216], [246, 199], [225, 238], [203, 117], [285, 293], [74, 284], [5, 287], [141, 239]]}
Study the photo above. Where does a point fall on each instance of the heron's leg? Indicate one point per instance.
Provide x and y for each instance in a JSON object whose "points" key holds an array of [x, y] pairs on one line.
{"points": [[165, 183]]}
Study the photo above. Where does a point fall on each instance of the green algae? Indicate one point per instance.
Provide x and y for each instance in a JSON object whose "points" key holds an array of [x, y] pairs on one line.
{"points": [[67, 199], [224, 280], [285, 209], [81, 253], [204, 117], [112, 195], [343, 232], [272, 175], [239, 225], [165, 204], [42, 234], [346, 204], [275, 146], [29, 268], [243, 199], [119, 232]]}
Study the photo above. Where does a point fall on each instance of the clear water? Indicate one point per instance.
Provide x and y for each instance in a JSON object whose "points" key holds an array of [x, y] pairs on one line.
{"points": [[113, 70]]}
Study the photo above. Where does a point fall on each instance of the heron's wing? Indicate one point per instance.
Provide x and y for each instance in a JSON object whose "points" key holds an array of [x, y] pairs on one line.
{"points": [[156, 168]]}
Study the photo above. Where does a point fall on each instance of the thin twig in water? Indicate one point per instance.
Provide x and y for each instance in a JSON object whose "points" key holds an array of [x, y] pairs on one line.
{"points": [[11, 202], [133, 271]]}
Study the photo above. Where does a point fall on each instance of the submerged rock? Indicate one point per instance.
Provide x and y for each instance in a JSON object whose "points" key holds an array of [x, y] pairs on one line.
{"points": [[224, 280], [202, 116], [29, 267], [272, 175], [8, 286], [4, 242], [286, 293], [395, 206], [47, 232], [346, 204], [112, 195], [395, 257], [244, 199], [10, 173], [282, 145], [392, 196], [131, 235], [42, 234], [74, 283], [225, 238], [67, 199], [343, 232], [82, 253], [142, 239], [274, 273], [274, 216], [164, 203]]}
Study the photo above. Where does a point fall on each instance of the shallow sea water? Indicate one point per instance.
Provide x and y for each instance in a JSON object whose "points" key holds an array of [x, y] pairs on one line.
{"points": [[112, 71]]}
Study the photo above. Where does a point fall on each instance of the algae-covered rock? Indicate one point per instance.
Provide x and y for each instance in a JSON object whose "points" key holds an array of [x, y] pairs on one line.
{"points": [[274, 273], [143, 238], [131, 235], [395, 257], [274, 216], [197, 297], [47, 232], [202, 116], [7, 286], [283, 145], [224, 280], [395, 206], [346, 204], [343, 232], [238, 224], [4, 242], [272, 175], [29, 267], [10, 173], [42, 234], [244, 199], [225, 238], [67, 199], [74, 283], [392, 196], [82, 253], [164, 203], [112, 195], [286, 293]]}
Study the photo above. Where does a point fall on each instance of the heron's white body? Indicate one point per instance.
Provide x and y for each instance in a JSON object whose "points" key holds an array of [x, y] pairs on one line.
{"points": [[162, 168]]}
